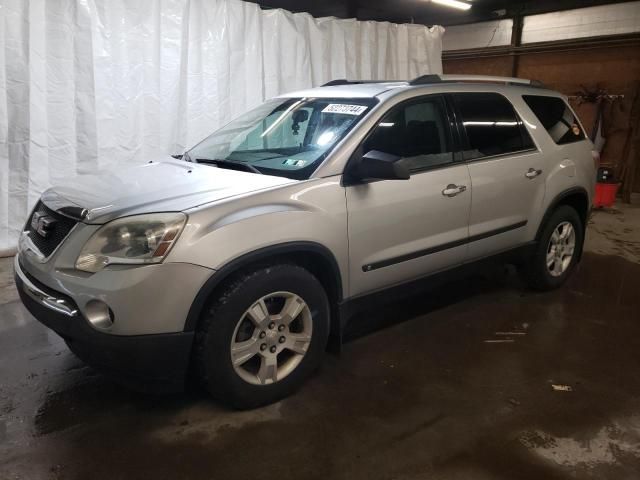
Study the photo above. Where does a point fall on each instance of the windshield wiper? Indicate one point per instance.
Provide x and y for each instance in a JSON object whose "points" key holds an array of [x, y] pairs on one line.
{"points": [[230, 164]]}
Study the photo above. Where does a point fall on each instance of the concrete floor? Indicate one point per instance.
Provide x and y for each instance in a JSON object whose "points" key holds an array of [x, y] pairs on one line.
{"points": [[427, 393]]}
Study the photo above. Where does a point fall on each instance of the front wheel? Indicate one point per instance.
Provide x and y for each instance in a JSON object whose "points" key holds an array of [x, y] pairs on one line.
{"points": [[262, 336], [557, 251]]}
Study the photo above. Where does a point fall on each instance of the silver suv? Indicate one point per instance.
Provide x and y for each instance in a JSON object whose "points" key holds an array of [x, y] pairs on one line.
{"points": [[240, 259]]}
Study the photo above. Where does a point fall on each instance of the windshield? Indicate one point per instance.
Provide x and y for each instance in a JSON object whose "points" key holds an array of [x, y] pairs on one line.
{"points": [[287, 137]]}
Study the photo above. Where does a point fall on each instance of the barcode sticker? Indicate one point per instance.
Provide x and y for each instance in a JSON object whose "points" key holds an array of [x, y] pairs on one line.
{"points": [[344, 109]]}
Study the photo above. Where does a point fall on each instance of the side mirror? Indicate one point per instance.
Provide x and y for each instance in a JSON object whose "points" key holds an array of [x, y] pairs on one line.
{"points": [[383, 166]]}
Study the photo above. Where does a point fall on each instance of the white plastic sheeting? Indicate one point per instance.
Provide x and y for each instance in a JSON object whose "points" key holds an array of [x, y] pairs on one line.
{"points": [[616, 19], [86, 84], [478, 35]]}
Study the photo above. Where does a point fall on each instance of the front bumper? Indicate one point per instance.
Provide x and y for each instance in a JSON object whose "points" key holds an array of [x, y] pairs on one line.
{"points": [[156, 362]]}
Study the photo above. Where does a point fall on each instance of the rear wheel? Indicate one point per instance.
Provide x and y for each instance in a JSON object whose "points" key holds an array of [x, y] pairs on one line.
{"points": [[262, 336], [557, 251]]}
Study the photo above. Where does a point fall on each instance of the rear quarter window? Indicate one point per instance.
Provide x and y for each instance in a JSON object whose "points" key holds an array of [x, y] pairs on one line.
{"points": [[556, 117]]}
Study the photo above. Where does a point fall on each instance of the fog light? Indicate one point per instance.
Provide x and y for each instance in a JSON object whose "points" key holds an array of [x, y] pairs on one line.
{"points": [[99, 314]]}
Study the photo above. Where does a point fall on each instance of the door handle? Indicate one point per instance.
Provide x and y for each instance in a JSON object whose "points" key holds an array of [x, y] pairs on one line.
{"points": [[453, 190], [532, 173]]}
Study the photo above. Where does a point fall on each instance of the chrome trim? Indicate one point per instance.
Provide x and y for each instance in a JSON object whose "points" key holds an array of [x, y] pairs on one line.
{"points": [[532, 173], [75, 213], [25, 243], [63, 206], [452, 190], [498, 156], [59, 305]]}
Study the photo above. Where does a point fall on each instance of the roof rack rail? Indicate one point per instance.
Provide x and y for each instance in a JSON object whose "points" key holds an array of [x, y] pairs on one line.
{"points": [[432, 78], [344, 81]]}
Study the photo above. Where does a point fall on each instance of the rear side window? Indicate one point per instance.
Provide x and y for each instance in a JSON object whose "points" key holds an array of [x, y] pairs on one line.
{"points": [[556, 117], [491, 124]]}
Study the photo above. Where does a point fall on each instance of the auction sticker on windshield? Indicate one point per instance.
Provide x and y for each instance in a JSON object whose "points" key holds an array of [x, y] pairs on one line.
{"points": [[344, 109]]}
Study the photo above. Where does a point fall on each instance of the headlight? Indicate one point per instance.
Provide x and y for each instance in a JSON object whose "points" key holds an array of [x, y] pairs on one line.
{"points": [[138, 239]]}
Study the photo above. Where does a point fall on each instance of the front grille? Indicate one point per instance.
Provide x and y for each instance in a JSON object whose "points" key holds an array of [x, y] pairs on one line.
{"points": [[55, 233]]}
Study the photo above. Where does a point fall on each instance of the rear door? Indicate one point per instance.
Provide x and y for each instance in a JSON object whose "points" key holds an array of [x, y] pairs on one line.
{"points": [[569, 151], [403, 229], [507, 173]]}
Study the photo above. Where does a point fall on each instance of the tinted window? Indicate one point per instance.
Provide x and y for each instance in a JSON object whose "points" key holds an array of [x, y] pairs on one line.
{"points": [[556, 117], [492, 126], [417, 131]]}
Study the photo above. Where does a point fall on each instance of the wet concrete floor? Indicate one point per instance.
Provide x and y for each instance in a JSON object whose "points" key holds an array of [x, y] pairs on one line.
{"points": [[457, 384]]}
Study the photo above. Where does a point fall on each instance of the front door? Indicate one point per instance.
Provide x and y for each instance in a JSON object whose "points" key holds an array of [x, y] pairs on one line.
{"points": [[400, 230]]}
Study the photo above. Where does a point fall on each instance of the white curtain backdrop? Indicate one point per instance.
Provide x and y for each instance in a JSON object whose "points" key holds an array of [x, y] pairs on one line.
{"points": [[88, 84]]}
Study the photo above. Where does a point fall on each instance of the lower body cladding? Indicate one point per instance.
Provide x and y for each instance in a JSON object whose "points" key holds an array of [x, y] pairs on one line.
{"points": [[157, 362]]}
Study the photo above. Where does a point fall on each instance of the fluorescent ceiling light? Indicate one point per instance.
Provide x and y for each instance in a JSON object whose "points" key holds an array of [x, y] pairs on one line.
{"points": [[490, 124], [453, 3]]}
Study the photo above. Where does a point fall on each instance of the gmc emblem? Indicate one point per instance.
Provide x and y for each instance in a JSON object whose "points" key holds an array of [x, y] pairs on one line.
{"points": [[42, 224]]}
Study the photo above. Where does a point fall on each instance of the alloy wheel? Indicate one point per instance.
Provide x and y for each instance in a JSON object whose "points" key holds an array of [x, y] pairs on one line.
{"points": [[560, 251], [271, 338]]}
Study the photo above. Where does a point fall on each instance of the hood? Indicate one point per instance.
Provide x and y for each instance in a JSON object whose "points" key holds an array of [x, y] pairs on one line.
{"points": [[165, 186]]}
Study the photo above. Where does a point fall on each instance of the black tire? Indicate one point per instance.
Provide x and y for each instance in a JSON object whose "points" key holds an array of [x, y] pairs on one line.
{"points": [[536, 273], [212, 349]]}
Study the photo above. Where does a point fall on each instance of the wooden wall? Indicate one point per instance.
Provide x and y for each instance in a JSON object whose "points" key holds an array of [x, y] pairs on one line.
{"points": [[617, 70]]}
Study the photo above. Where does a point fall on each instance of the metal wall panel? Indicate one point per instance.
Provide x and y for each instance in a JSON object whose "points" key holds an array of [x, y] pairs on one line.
{"points": [[478, 35], [612, 19]]}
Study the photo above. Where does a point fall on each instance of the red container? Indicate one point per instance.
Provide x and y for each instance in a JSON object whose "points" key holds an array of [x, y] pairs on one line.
{"points": [[605, 194]]}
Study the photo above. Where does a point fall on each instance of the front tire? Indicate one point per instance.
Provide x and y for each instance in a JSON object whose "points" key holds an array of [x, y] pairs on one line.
{"points": [[262, 336], [557, 251]]}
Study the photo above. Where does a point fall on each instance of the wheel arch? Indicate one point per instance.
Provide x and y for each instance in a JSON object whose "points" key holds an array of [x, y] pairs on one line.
{"points": [[576, 197], [314, 257]]}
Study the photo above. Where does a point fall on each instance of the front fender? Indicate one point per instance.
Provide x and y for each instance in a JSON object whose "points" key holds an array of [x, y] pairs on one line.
{"points": [[312, 211]]}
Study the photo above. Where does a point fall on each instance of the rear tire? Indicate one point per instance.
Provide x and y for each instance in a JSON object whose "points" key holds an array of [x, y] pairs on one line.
{"points": [[248, 350], [557, 251]]}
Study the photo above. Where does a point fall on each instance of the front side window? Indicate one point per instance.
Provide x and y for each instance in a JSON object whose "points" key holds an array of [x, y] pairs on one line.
{"points": [[286, 137], [417, 131], [556, 117], [491, 125]]}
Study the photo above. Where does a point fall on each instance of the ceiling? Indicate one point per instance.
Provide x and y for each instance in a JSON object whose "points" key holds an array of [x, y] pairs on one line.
{"points": [[423, 11]]}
